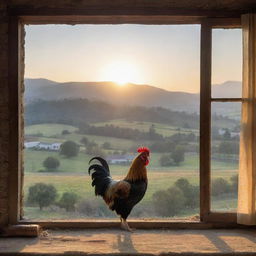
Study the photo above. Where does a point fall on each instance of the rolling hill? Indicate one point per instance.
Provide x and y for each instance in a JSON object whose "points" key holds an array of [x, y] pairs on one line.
{"points": [[131, 94]]}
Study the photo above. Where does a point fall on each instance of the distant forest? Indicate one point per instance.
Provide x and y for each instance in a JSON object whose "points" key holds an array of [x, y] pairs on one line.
{"points": [[78, 112]]}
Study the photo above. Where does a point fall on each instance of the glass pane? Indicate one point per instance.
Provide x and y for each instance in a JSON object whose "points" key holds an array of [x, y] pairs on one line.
{"points": [[225, 139], [226, 63], [128, 90]]}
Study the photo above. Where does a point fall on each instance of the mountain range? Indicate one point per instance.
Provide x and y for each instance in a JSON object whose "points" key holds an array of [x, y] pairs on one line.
{"points": [[130, 94]]}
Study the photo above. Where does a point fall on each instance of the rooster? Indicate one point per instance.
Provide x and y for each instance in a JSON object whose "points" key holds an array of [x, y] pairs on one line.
{"points": [[121, 196]]}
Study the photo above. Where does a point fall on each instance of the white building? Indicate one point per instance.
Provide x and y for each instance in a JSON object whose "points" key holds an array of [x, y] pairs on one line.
{"points": [[118, 159], [31, 144], [49, 146], [42, 145], [232, 134], [56, 146]]}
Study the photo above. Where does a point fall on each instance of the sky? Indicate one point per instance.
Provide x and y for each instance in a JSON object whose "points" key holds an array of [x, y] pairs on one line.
{"points": [[165, 56]]}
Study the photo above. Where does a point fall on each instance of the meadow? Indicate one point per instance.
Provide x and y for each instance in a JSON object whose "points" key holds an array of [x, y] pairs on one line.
{"points": [[72, 176]]}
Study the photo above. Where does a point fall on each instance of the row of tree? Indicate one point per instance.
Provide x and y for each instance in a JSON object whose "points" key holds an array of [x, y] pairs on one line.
{"points": [[183, 196], [110, 130], [78, 111], [179, 198]]}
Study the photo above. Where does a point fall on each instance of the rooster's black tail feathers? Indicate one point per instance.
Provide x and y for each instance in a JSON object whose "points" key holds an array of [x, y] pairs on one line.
{"points": [[100, 176], [102, 161]]}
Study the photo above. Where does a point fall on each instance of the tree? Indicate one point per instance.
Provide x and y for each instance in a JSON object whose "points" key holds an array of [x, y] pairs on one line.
{"points": [[178, 155], [68, 201], [69, 149], [42, 194], [51, 163], [220, 186], [234, 183], [84, 141], [165, 160], [92, 148], [65, 132]]}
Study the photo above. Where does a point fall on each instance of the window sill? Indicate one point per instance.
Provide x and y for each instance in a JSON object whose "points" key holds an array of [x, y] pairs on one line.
{"points": [[134, 223], [141, 242]]}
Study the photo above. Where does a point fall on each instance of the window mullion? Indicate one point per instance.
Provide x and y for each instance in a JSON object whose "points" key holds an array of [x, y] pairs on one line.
{"points": [[205, 118]]}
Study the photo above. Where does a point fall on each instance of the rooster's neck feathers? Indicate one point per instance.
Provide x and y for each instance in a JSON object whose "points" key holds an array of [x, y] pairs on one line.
{"points": [[137, 170]]}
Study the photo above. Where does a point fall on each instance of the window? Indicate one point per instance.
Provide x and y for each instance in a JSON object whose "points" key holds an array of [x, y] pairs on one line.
{"points": [[205, 210], [111, 98]]}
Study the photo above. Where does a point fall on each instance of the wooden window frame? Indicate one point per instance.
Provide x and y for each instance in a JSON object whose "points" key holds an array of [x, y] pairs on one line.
{"points": [[19, 17]]}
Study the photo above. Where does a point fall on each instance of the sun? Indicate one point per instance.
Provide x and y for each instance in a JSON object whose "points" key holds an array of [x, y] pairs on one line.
{"points": [[121, 72]]}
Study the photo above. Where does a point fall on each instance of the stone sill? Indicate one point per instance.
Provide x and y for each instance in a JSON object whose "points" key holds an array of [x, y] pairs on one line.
{"points": [[141, 242]]}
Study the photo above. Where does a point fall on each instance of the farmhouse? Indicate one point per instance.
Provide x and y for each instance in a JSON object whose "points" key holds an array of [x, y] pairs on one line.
{"points": [[42, 145], [118, 159], [31, 144], [49, 146], [232, 134]]}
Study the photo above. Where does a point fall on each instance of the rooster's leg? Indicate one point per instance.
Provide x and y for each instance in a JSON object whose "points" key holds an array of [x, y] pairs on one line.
{"points": [[125, 226]]}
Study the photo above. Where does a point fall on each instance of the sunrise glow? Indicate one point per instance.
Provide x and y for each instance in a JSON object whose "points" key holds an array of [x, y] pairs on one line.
{"points": [[121, 72]]}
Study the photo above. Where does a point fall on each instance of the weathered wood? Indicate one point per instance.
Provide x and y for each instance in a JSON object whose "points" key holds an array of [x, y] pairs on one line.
{"points": [[122, 10], [138, 224], [222, 217], [14, 121], [224, 22], [145, 16], [205, 119], [111, 19], [28, 230], [226, 99], [129, 19]]}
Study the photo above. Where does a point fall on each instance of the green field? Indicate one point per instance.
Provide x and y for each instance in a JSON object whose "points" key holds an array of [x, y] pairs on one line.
{"points": [[163, 129], [48, 129], [72, 172]]}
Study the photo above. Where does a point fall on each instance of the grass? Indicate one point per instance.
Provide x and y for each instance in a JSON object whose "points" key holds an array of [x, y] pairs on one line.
{"points": [[79, 164], [48, 129], [228, 203], [72, 175], [81, 183], [34, 161]]}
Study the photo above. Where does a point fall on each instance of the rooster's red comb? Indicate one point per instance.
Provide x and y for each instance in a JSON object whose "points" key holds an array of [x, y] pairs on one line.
{"points": [[143, 149]]}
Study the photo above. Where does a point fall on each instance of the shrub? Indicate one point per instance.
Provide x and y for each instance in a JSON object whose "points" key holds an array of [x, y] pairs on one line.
{"points": [[94, 208], [190, 192], [68, 201], [51, 163], [234, 183], [42, 194], [168, 202], [69, 149], [228, 147]]}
